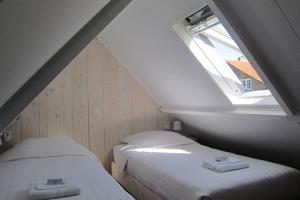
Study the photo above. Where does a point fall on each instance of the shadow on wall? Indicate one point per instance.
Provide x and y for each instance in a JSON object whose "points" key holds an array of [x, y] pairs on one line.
{"points": [[272, 139]]}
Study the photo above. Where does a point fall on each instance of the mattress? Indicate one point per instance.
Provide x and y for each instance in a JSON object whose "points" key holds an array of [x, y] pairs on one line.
{"points": [[175, 172], [37, 160]]}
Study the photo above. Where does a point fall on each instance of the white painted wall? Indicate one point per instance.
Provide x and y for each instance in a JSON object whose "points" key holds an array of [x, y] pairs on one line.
{"points": [[143, 39], [32, 31]]}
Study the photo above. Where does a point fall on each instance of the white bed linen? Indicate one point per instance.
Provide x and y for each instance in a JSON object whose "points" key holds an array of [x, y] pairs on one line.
{"points": [[157, 138], [175, 173], [69, 161], [147, 141]]}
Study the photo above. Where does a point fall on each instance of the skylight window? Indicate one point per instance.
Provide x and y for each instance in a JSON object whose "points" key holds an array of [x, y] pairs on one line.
{"points": [[220, 55], [213, 35]]}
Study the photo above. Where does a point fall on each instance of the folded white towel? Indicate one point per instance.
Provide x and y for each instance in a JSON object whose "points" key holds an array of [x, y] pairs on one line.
{"points": [[226, 159], [225, 165], [40, 190]]}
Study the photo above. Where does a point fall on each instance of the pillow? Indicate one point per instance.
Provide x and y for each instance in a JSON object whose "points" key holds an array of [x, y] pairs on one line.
{"points": [[157, 138]]}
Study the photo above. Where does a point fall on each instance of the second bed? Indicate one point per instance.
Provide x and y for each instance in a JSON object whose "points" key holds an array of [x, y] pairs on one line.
{"points": [[166, 165]]}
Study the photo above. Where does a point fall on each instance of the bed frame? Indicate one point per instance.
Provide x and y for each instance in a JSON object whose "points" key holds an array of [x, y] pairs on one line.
{"points": [[133, 186]]}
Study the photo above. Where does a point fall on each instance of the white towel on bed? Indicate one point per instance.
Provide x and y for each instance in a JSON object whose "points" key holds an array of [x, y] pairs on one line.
{"points": [[40, 190], [224, 164]]}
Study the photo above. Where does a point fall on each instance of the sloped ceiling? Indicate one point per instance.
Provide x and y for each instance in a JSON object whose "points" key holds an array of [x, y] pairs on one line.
{"points": [[164, 65], [143, 39], [32, 31]]}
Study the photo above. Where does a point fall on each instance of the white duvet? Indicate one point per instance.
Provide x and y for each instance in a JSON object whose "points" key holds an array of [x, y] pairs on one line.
{"points": [[37, 160], [175, 172]]}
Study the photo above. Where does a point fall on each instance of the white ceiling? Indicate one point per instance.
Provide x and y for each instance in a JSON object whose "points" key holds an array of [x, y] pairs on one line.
{"points": [[32, 31], [143, 39]]}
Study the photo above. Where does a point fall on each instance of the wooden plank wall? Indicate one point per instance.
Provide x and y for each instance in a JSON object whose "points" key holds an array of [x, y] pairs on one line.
{"points": [[94, 101]]}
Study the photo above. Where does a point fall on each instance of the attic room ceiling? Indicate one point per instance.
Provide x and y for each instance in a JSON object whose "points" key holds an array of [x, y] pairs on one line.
{"points": [[32, 31], [160, 61], [157, 57]]}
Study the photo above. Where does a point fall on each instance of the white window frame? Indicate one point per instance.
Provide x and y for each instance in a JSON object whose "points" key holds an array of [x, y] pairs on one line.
{"points": [[233, 89]]}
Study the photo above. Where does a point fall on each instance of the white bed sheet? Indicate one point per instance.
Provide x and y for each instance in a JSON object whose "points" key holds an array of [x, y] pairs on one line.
{"points": [[66, 160], [176, 173]]}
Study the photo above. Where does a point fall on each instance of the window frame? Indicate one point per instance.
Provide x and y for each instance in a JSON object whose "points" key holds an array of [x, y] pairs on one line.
{"points": [[205, 32], [237, 96]]}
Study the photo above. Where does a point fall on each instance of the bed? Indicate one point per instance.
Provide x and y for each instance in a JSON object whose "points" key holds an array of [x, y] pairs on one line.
{"points": [[166, 165], [36, 160]]}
